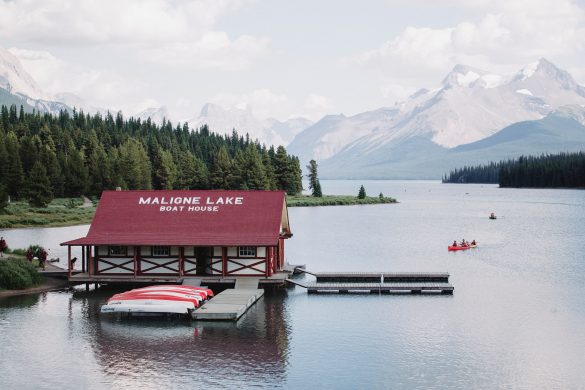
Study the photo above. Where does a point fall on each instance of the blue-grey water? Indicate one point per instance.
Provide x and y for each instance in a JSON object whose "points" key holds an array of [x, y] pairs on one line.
{"points": [[515, 321]]}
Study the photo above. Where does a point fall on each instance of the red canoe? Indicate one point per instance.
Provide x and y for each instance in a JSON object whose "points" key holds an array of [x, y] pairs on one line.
{"points": [[461, 248]]}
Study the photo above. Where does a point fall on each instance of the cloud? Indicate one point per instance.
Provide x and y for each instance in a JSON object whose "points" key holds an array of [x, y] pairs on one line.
{"points": [[98, 88], [263, 102], [53, 74], [500, 35], [316, 106], [178, 33], [214, 50]]}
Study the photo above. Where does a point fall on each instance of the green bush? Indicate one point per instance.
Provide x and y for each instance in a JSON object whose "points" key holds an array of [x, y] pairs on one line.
{"points": [[18, 274], [18, 251], [5, 224]]}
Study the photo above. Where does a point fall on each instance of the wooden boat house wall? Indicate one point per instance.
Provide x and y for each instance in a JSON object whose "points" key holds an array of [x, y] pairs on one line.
{"points": [[185, 233]]}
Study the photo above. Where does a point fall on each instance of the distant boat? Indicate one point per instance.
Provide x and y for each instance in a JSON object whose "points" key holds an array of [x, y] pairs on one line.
{"points": [[493, 216], [460, 247]]}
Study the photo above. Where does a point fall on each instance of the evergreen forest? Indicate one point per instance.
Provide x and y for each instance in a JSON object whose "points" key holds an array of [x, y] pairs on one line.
{"points": [[562, 170], [44, 156]]}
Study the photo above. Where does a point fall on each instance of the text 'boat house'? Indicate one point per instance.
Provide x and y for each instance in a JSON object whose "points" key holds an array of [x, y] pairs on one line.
{"points": [[174, 234]]}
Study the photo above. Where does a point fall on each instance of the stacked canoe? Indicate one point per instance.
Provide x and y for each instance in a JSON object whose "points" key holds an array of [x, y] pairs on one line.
{"points": [[159, 299]]}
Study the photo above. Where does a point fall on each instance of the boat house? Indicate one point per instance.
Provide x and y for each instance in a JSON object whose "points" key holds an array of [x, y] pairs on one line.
{"points": [[168, 235]]}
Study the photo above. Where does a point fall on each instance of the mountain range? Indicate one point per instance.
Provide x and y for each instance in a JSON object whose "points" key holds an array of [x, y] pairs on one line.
{"points": [[423, 137], [473, 117]]}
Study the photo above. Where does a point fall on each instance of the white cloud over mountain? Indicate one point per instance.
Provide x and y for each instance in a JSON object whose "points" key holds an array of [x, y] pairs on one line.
{"points": [[157, 30], [500, 35], [282, 61]]}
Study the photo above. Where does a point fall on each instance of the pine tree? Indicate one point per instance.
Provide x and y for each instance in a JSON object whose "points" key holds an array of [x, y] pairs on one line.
{"points": [[219, 176], [76, 173], [192, 173], [134, 166], [164, 170], [3, 198], [13, 169], [38, 187], [282, 169], [314, 184], [249, 170], [362, 193], [297, 174], [269, 170]]}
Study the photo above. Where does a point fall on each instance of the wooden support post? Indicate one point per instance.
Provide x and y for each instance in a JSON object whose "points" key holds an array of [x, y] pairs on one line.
{"points": [[281, 253], [69, 261], [223, 261], [136, 251], [267, 269], [181, 260], [89, 261], [83, 257]]}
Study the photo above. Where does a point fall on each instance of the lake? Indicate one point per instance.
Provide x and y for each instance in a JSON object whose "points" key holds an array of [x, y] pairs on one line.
{"points": [[516, 319]]}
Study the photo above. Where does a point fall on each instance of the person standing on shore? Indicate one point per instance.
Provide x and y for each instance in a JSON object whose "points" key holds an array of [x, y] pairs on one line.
{"points": [[3, 246], [42, 258], [29, 255]]}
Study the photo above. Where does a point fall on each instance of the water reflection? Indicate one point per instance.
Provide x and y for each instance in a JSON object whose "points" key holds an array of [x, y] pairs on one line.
{"points": [[155, 352], [20, 301], [516, 320]]}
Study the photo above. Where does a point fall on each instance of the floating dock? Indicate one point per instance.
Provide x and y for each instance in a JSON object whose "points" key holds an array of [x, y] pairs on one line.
{"points": [[230, 304], [378, 283]]}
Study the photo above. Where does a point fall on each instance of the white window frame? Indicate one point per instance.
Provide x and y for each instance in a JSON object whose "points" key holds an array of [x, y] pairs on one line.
{"points": [[161, 251], [122, 250], [247, 251]]}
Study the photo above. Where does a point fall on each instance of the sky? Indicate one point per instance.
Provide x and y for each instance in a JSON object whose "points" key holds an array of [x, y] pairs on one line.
{"points": [[281, 59]]}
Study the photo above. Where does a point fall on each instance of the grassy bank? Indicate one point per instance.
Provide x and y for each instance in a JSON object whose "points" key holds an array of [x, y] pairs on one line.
{"points": [[334, 200], [18, 274], [60, 212], [69, 211]]}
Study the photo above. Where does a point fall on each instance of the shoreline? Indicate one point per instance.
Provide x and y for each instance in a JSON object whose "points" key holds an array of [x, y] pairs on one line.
{"points": [[49, 284], [292, 201]]}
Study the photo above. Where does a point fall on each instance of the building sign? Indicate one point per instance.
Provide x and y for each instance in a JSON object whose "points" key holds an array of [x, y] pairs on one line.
{"points": [[190, 203]]}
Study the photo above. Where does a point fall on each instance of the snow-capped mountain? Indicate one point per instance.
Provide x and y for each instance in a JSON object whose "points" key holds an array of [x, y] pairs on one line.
{"points": [[79, 103], [157, 115], [332, 133], [21, 89], [16, 80], [268, 131], [470, 105]]}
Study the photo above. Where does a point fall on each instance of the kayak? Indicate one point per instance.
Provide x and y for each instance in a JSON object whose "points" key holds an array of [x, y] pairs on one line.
{"points": [[461, 248]]}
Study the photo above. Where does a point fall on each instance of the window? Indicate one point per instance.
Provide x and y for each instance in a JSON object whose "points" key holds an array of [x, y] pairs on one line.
{"points": [[161, 250], [247, 251], [118, 251]]}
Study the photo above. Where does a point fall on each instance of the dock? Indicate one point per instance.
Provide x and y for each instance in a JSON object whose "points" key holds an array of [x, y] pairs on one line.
{"points": [[230, 304], [378, 283]]}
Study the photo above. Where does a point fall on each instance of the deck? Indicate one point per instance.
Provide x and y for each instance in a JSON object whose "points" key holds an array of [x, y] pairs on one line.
{"points": [[378, 283], [276, 280], [230, 304]]}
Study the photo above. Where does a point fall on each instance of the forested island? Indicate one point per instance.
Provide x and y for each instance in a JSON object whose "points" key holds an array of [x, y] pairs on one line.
{"points": [[562, 170]]}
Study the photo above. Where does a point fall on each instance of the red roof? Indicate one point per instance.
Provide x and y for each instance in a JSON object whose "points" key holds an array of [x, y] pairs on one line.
{"points": [[198, 218]]}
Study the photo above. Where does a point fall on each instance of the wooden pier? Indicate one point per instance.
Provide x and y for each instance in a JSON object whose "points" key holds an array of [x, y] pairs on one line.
{"points": [[230, 304], [378, 283]]}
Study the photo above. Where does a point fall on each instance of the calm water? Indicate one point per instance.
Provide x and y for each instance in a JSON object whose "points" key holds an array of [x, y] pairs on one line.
{"points": [[516, 320]]}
